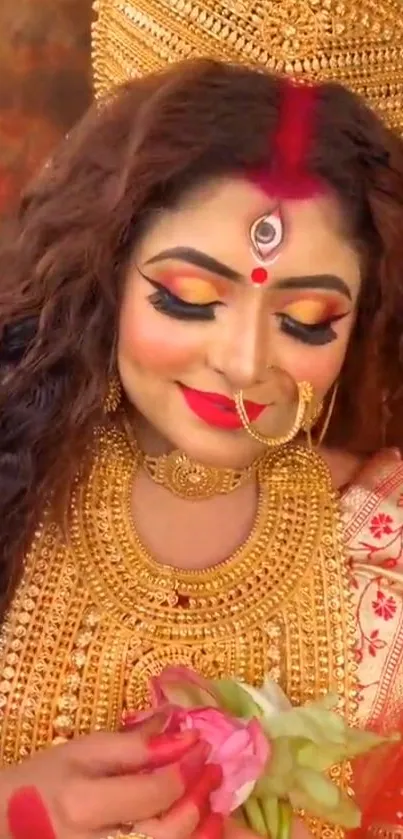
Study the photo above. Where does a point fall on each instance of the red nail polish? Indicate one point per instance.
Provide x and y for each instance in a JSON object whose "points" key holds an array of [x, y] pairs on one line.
{"points": [[27, 815], [169, 748], [211, 828], [216, 774], [199, 795], [192, 764]]}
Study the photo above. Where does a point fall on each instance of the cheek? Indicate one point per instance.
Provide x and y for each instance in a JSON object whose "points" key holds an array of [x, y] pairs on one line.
{"points": [[321, 370], [150, 340], [319, 365]]}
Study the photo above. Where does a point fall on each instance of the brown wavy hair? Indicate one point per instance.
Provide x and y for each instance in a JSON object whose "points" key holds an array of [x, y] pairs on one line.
{"points": [[63, 267]]}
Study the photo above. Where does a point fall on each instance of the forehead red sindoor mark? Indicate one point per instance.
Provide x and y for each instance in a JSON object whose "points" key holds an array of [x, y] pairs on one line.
{"points": [[259, 276], [288, 176]]}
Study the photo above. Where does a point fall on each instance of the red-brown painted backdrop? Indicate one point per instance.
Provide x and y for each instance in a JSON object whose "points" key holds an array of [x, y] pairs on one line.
{"points": [[44, 83]]}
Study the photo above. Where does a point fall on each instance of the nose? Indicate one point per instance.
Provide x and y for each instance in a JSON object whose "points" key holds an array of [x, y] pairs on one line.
{"points": [[242, 353]]}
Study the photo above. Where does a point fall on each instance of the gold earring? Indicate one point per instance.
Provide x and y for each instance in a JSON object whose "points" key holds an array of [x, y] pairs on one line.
{"points": [[113, 396], [329, 412], [305, 396], [312, 416]]}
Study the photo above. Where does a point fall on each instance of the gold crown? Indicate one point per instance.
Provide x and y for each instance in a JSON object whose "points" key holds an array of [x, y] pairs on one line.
{"points": [[359, 43]]}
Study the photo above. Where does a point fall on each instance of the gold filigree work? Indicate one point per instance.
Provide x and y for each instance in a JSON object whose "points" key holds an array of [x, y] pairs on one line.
{"points": [[194, 481], [95, 616], [358, 43]]}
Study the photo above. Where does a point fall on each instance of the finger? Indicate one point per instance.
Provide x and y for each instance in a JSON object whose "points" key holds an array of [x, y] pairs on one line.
{"points": [[99, 803], [211, 828], [128, 751], [299, 830], [147, 724], [234, 830], [185, 815]]}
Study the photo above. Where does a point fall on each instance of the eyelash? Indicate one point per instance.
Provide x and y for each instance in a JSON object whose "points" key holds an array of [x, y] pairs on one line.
{"points": [[317, 334], [168, 304], [165, 302]]}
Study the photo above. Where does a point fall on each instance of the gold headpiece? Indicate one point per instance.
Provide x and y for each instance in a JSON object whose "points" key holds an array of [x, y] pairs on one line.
{"points": [[356, 42]]}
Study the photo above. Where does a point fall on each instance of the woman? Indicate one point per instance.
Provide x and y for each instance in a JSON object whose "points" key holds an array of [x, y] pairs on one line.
{"points": [[202, 316]]}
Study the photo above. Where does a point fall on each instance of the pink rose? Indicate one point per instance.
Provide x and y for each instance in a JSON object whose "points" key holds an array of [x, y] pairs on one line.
{"points": [[238, 746]]}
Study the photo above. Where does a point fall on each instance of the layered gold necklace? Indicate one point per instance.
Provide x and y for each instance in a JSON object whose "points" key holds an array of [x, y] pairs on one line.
{"points": [[95, 615]]}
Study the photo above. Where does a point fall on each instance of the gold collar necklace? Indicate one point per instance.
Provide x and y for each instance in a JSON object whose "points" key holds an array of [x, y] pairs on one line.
{"points": [[188, 479]]}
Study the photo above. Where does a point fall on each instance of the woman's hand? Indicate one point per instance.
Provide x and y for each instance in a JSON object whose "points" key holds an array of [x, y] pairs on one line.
{"points": [[91, 787]]}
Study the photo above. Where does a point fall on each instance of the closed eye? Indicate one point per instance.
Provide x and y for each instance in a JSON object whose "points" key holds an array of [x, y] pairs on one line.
{"points": [[169, 304], [316, 334]]}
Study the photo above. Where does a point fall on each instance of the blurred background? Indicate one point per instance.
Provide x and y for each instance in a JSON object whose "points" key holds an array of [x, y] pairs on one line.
{"points": [[45, 83]]}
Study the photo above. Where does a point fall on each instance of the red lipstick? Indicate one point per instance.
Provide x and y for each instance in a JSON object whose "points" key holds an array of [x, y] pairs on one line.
{"points": [[217, 410]]}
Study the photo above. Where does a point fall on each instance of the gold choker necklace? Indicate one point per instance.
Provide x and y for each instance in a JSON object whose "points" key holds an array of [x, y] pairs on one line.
{"points": [[188, 479]]}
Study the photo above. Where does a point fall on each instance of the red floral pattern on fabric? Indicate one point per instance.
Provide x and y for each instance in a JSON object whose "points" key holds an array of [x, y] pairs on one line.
{"points": [[381, 524], [385, 607], [373, 516], [372, 512]]}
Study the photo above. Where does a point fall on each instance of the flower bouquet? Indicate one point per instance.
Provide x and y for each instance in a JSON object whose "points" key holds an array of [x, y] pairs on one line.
{"points": [[274, 757]]}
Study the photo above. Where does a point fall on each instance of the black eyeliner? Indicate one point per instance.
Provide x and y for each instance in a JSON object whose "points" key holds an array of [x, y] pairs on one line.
{"points": [[165, 302], [316, 335]]}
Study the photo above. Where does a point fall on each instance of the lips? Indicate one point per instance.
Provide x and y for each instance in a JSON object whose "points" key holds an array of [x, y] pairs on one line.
{"points": [[217, 410]]}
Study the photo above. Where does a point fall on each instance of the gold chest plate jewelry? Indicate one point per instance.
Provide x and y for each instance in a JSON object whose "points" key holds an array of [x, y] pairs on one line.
{"points": [[95, 616]]}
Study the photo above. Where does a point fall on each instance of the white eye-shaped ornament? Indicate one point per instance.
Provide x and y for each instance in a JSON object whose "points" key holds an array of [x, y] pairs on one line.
{"points": [[266, 235]]}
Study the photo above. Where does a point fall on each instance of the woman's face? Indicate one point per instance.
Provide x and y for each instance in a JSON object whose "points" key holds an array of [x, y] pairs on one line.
{"points": [[220, 291]]}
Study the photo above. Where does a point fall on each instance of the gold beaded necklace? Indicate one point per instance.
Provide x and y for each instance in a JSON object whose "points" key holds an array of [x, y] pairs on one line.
{"points": [[96, 615]]}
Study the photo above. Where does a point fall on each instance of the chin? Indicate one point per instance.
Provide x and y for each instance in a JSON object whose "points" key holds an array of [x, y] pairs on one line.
{"points": [[223, 451]]}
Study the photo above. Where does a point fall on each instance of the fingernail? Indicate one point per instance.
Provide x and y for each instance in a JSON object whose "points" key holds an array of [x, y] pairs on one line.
{"points": [[210, 779], [28, 816], [169, 748], [215, 774], [212, 827], [131, 722], [192, 763]]}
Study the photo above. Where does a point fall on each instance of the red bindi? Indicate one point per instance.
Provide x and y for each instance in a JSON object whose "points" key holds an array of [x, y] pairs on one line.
{"points": [[259, 276]]}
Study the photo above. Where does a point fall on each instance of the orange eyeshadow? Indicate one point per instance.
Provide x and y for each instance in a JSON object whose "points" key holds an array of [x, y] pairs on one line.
{"points": [[313, 310], [192, 289]]}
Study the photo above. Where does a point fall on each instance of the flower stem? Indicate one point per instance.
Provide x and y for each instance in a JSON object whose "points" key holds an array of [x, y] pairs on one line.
{"points": [[270, 809], [285, 820], [253, 812]]}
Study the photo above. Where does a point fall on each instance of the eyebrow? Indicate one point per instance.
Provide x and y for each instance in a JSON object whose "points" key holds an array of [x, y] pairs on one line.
{"points": [[198, 258], [327, 282]]}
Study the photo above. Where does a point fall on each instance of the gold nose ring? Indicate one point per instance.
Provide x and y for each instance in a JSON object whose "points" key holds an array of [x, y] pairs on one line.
{"points": [[305, 397]]}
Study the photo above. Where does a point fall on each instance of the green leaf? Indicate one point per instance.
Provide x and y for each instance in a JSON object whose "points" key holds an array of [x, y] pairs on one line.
{"points": [[321, 727], [318, 787], [320, 759], [280, 776], [360, 742], [346, 814], [236, 700]]}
